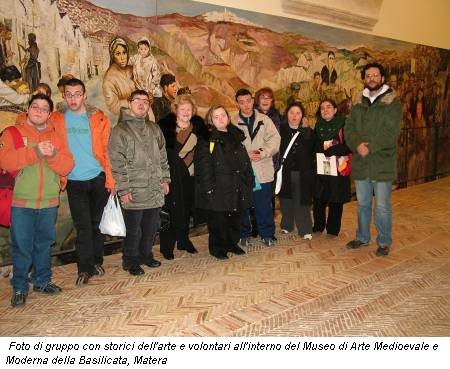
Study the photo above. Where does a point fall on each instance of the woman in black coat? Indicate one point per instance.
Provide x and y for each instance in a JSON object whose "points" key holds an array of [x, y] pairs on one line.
{"points": [[331, 191], [298, 173], [223, 182], [181, 130]]}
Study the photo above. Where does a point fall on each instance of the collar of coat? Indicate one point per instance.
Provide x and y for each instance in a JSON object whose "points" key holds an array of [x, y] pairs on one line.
{"points": [[386, 97], [90, 109]]}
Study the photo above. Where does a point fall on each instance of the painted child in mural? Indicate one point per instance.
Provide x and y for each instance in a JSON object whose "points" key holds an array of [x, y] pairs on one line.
{"points": [[146, 73]]}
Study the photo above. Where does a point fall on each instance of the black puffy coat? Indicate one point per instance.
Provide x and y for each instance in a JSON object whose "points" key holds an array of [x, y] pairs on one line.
{"points": [[302, 152], [223, 173], [333, 188], [179, 198]]}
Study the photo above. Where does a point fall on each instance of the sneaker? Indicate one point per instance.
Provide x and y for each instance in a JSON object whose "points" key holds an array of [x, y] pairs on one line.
{"points": [[221, 255], [18, 298], [269, 241], [245, 241], [98, 270], [285, 231], [307, 236], [83, 278], [382, 251], [356, 244], [235, 249], [49, 288]]}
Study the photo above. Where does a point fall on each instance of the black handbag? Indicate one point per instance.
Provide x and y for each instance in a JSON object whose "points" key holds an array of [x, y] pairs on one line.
{"points": [[164, 217]]}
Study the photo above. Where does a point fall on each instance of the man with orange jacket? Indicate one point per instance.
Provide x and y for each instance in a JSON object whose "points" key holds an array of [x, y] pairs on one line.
{"points": [[43, 162], [87, 130]]}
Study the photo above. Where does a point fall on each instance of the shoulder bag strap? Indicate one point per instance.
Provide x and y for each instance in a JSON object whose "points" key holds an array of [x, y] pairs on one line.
{"points": [[288, 148]]}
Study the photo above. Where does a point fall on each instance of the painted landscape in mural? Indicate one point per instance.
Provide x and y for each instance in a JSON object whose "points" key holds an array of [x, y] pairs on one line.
{"points": [[214, 51]]}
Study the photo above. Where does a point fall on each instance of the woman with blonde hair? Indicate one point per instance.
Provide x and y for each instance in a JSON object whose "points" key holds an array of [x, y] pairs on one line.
{"points": [[223, 182], [181, 130]]}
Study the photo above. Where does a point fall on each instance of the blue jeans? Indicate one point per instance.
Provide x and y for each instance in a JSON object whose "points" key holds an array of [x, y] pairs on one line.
{"points": [[33, 232], [262, 202], [383, 212]]}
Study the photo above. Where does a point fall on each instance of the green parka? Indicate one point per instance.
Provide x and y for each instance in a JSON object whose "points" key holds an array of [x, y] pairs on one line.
{"points": [[377, 123], [137, 151]]}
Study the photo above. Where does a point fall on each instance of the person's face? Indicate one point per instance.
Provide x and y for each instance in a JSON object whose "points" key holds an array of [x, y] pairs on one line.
{"points": [[139, 106], [143, 50], [294, 116], [327, 111], [120, 56], [245, 103], [317, 80], [171, 90], [373, 80], [219, 119], [265, 102], [184, 113], [393, 81], [75, 98], [331, 59], [38, 113]]}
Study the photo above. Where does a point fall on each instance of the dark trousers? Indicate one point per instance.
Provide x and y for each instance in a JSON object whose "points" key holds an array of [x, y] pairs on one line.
{"points": [[332, 223], [87, 199], [293, 212], [141, 226], [262, 202], [178, 231], [224, 229]]}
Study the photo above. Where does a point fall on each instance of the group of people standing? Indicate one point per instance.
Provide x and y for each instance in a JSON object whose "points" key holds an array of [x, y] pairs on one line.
{"points": [[223, 165]]}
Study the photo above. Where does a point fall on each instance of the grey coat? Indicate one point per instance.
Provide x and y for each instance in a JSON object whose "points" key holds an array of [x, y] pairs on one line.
{"points": [[137, 151]]}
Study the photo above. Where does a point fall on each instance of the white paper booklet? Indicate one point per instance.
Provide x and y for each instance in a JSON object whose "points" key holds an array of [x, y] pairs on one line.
{"points": [[326, 166]]}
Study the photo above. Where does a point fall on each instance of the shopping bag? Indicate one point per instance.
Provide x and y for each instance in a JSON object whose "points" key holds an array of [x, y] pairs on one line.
{"points": [[112, 222]]}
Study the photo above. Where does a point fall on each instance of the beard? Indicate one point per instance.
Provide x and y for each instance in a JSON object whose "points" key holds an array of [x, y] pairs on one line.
{"points": [[374, 87]]}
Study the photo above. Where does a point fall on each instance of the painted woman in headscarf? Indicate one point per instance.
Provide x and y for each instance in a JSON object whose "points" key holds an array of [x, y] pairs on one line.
{"points": [[118, 80]]}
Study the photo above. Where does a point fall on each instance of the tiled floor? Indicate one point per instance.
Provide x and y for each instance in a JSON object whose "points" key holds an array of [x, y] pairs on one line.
{"points": [[297, 288]]}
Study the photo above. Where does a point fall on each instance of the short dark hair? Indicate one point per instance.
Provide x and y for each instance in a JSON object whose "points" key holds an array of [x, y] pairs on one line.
{"points": [[373, 65], [331, 53], [316, 74], [75, 82], [41, 96], [144, 42], [293, 104], [331, 101], [138, 92], [167, 79], [242, 92]]}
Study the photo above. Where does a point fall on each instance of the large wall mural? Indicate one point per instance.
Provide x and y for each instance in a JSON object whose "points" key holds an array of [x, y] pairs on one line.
{"points": [[214, 51]]}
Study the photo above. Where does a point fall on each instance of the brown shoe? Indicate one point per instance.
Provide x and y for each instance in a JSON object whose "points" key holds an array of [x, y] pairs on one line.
{"points": [[83, 278]]}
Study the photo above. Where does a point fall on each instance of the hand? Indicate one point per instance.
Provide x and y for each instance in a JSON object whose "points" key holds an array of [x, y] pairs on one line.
{"points": [[363, 149], [125, 199], [46, 148], [112, 191], [165, 187], [254, 155]]}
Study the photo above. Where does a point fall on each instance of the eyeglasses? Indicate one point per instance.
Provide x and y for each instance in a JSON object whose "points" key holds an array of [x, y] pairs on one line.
{"points": [[141, 101], [39, 109], [266, 97], [76, 95]]}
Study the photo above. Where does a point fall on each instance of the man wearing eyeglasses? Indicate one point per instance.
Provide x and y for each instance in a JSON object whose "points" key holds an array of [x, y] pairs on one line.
{"points": [[87, 131], [139, 164], [371, 132], [42, 162]]}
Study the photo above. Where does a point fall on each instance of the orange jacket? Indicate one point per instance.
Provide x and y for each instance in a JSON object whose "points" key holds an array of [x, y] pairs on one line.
{"points": [[100, 130], [35, 171]]}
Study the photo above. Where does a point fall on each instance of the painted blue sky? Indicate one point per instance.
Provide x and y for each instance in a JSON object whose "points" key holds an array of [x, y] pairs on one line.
{"points": [[333, 36]]}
